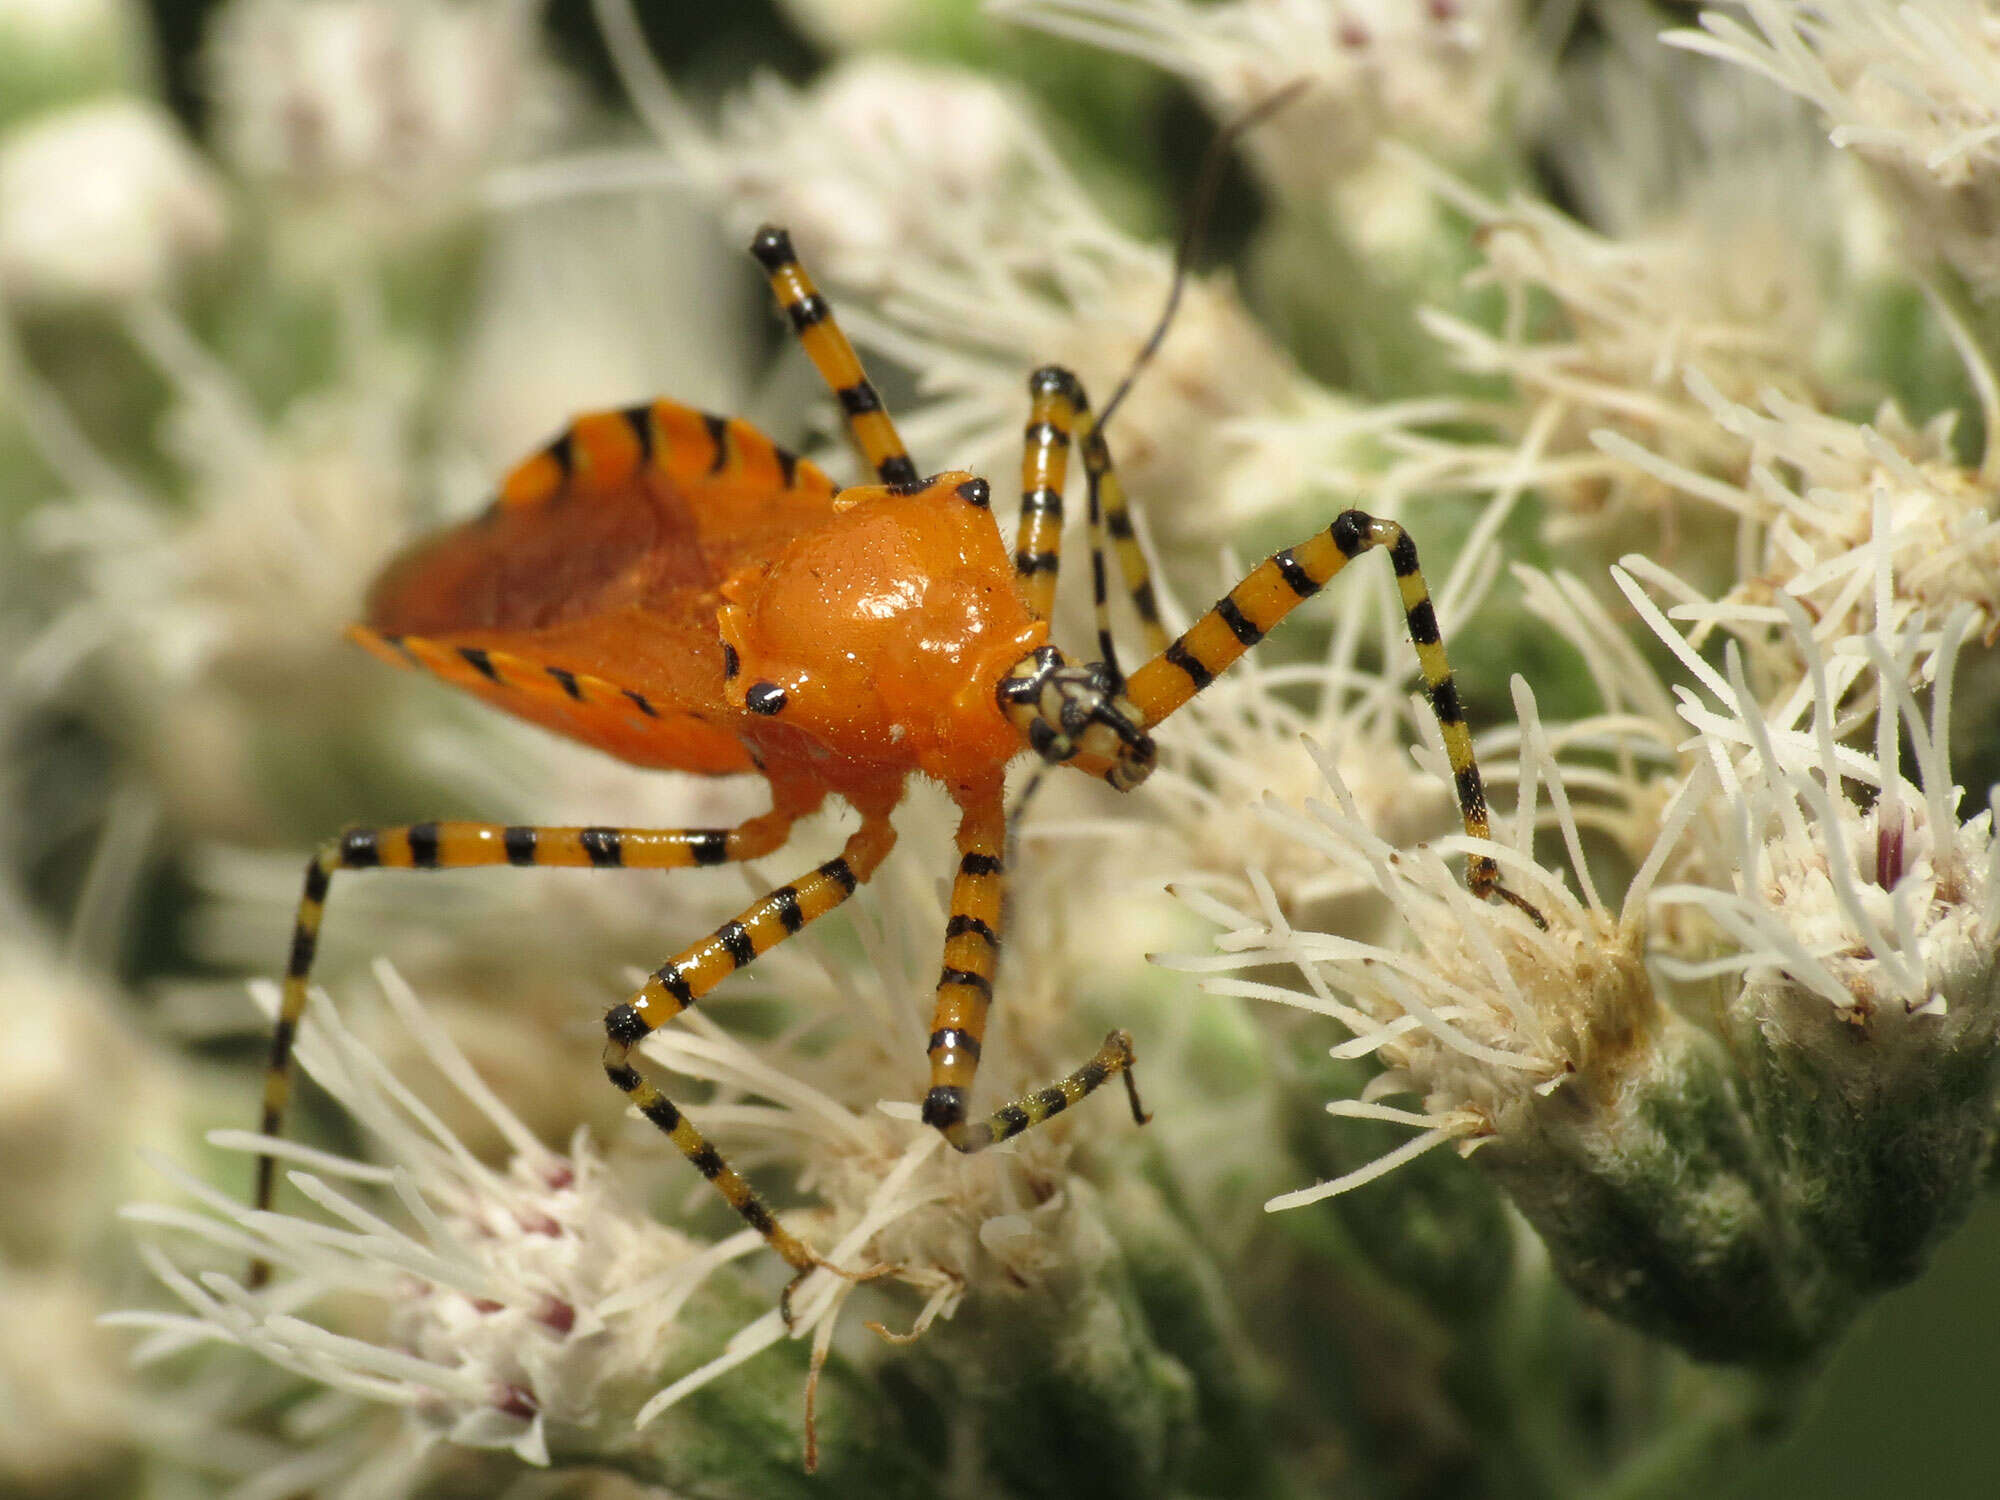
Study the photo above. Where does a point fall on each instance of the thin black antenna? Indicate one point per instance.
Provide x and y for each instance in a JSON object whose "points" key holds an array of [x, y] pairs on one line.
{"points": [[1212, 167]]}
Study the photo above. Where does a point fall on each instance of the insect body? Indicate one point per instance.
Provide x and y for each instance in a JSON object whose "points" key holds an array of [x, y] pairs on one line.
{"points": [[675, 589]]}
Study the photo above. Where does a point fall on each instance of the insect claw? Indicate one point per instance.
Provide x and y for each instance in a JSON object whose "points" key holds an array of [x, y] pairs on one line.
{"points": [[1521, 904], [820, 1263]]}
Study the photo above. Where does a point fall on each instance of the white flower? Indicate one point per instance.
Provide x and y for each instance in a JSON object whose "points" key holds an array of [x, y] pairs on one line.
{"points": [[103, 200], [1734, 300], [1891, 907], [374, 118], [490, 1285], [1912, 89], [1478, 1012], [1874, 526], [1430, 74], [536, 1308]]}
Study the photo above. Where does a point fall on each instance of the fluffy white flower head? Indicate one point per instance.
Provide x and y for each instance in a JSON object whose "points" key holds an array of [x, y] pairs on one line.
{"points": [[1912, 89], [103, 200], [1431, 74]]}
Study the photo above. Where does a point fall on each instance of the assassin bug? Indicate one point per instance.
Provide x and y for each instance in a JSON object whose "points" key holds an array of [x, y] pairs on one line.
{"points": [[679, 591]]}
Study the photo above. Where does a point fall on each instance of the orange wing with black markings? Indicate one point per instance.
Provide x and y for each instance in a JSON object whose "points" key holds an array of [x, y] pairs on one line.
{"points": [[584, 598]]}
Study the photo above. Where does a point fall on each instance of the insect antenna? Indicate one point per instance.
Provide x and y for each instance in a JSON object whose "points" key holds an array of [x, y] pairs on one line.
{"points": [[1108, 506], [1206, 186]]}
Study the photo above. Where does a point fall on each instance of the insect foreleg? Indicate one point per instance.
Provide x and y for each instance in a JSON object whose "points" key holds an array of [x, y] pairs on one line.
{"points": [[1277, 586], [462, 846]]}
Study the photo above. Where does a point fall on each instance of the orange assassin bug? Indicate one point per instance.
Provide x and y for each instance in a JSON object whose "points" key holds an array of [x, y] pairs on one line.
{"points": [[677, 590]]}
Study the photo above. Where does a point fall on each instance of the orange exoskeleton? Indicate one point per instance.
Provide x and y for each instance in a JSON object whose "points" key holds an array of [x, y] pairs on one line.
{"points": [[677, 590]]}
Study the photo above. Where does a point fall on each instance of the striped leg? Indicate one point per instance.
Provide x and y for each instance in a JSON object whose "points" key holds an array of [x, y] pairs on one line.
{"points": [[1276, 586], [695, 971], [1057, 406], [965, 993], [461, 846], [827, 347], [1110, 512]]}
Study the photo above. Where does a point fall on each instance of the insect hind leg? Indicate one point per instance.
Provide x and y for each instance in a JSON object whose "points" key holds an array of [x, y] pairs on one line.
{"points": [[692, 973], [462, 846]]}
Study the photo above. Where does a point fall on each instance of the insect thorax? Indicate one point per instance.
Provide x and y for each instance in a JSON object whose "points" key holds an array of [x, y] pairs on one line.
{"points": [[1077, 712]]}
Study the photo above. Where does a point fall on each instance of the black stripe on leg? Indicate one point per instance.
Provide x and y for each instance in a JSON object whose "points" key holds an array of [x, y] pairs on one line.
{"points": [[858, 400], [962, 923], [624, 1077], [786, 899], [318, 881], [1444, 702], [1349, 533], [1470, 793], [675, 983], [710, 847], [1042, 500], [944, 1106], [566, 680], [1403, 554], [972, 981], [625, 1025], [1181, 657], [604, 846], [1239, 625], [807, 311], [953, 1039], [663, 1114], [520, 842], [979, 864], [423, 839], [1012, 1120], [1297, 579], [840, 873], [1423, 624], [898, 468], [707, 1161], [305, 943], [360, 849], [735, 937], [1053, 1100], [773, 248]]}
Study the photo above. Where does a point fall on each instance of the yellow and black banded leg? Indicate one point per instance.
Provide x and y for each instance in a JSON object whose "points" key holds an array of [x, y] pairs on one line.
{"points": [[1275, 587], [696, 970], [464, 846], [965, 994], [833, 356], [1056, 405], [1111, 513]]}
